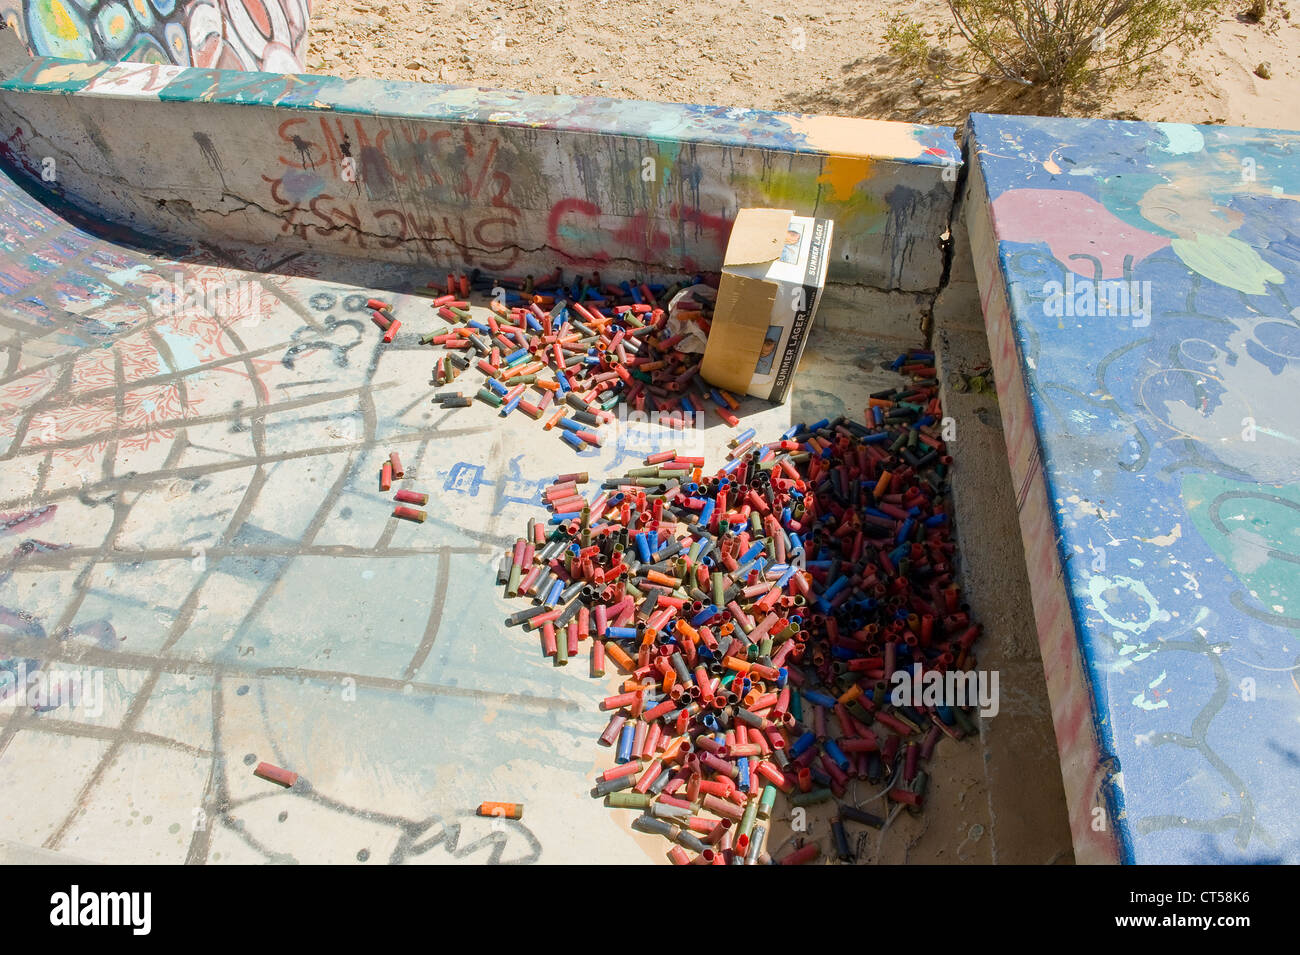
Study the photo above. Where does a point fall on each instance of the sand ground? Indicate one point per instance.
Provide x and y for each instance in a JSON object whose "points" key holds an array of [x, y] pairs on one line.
{"points": [[825, 56]]}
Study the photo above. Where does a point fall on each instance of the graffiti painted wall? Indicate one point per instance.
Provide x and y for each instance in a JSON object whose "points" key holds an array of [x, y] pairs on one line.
{"points": [[1141, 286], [424, 174], [194, 544], [268, 35]]}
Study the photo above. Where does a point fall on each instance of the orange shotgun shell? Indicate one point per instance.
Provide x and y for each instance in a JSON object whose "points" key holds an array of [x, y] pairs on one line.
{"points": [[502, 810]]}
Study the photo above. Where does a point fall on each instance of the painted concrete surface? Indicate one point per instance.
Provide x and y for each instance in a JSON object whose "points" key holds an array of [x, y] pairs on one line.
{"points": [[209, 34], [448, 176], [1153, 451], [192, 528], [1028, 822]]}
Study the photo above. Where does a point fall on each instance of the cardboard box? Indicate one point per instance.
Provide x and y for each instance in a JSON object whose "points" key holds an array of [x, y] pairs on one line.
{"points": [[772, 278]]}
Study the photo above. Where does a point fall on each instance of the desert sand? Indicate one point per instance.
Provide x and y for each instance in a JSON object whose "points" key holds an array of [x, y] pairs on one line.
{"points": [[827, 56]]}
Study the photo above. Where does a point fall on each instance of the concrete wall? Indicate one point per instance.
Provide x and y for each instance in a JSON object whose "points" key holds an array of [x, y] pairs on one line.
{"points": [[447, 176], [192, 528], [224, 34], [1152, 441], [1084, 768]]}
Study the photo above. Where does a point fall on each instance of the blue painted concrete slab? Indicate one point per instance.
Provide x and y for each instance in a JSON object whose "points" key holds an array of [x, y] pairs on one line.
{"points": [[1151, 275]]}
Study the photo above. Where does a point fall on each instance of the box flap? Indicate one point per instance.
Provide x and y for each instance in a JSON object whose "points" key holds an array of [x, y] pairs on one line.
{"points": [[740, 321], [757, 236]]}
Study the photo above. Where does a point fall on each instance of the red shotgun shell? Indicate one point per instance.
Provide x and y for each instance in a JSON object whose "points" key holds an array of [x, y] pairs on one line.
{"points": [[275, 774]]}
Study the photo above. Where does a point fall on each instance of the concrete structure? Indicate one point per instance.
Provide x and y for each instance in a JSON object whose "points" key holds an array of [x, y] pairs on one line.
{"points": [[193, 408], [450, 176], [202, 525], [1140, 286], [211, 34], [198, 556]]}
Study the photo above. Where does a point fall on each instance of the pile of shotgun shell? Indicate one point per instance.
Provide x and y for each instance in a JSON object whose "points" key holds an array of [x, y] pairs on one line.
{"points": [[392, 469], [569, 351], [757, 616]]}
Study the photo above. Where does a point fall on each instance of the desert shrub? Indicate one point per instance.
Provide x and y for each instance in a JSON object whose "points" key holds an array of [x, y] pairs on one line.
{"points": [[907, 41], [1061, 43]]}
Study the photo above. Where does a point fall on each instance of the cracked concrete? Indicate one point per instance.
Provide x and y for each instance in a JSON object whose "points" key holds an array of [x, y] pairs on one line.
{"points": [[508, 200]]}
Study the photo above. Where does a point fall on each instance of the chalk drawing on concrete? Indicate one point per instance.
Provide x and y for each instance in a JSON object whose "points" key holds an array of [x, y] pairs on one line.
{"points": [[152, 441]]}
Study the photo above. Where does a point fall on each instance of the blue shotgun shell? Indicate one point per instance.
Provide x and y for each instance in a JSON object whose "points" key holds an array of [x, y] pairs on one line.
{"points": [[625, 737]]}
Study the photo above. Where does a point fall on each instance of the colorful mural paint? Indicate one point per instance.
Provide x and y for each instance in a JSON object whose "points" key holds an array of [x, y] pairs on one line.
{"points": [[268, 35], [418, 173], [1141, 285]]}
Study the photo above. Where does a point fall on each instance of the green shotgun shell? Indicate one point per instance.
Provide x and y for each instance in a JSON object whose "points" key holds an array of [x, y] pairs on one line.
{"points": [[788, 631], [561, 648], [812, 797], [964, 720], [767, 802], [919, 786], [512, 586], [747, 820], [493, 399], [860, 712], [629, 800]]}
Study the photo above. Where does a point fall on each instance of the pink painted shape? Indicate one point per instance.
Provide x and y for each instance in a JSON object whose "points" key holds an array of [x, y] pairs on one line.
{"points": [[1071, 223]]}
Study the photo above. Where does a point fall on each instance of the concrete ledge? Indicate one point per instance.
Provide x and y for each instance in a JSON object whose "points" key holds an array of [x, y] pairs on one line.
{"points": [[1153, 455], [449, 176]]}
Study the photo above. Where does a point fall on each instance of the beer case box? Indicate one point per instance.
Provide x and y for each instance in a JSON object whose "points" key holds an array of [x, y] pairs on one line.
{"points": [[772, 279]]}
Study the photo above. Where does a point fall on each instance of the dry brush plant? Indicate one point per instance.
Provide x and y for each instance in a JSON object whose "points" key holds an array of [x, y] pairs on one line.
{"points": [[1056, 43]]}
